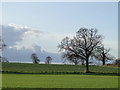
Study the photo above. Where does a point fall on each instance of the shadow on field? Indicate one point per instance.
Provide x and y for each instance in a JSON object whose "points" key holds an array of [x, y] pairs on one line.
{"points": [[56, 73]]}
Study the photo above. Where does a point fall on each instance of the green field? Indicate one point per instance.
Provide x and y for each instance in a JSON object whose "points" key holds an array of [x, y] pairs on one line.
{"points": [[55, 69], [17, 75], [58, 81]]}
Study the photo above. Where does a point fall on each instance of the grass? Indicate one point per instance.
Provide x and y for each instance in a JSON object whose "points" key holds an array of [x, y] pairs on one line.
{"points": [[55, 69], [58, 81], [20, 75]]}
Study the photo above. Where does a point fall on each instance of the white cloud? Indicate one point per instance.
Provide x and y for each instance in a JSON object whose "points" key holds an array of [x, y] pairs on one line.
{"points": [[12, 33], [23, 36], [23, 55], [22, 42]]}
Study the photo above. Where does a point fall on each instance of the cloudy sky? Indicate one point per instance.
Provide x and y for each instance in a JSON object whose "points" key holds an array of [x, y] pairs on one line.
{"points": [[31, 25]]}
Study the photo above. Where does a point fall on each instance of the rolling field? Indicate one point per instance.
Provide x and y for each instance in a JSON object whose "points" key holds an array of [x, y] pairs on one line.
{"points": [[16, 75], [58, 81], [55, 69]]}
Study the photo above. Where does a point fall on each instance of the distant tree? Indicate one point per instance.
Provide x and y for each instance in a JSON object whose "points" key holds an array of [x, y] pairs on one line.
{"points": [[117, 62], [0, 58], [102, 54], [82, 61], [4, 59], [71, 57], [2, 46], [35, 58], [48, 60], [81, 46]]}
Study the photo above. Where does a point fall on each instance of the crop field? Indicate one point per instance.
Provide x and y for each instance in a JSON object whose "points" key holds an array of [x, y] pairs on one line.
{"points": [[55, 69], [58, 81], [16, 75]]}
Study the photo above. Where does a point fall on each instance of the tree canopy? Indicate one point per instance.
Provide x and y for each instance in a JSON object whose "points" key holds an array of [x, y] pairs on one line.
{"points": [[82, 46], [48, 60], [102, 54], [35, 58]]}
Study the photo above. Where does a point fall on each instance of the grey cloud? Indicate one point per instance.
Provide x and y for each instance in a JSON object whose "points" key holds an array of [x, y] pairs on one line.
{"points": [[13, 35], [10, 34], [23, 55]]}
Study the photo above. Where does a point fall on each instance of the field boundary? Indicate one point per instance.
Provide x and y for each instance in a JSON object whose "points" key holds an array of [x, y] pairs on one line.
{"points": [[55, 73], [60, 89]]}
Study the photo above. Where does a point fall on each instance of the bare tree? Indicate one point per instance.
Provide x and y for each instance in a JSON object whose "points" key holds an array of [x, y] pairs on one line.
{"points": [[71, 57], [35, 58], [83, 45], [48, 60], [0, 58], [117, 62], [82, 61], [102, 54], [2, 46], [4, 59]]}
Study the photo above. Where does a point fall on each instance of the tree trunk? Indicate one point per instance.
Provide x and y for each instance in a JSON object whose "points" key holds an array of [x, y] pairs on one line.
{"points": [[36, 62], [103, 61], [76, 63], [87, 67]]}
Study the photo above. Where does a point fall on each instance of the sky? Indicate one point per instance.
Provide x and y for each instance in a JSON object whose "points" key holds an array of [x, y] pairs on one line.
{"points": [[45, 24]]}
